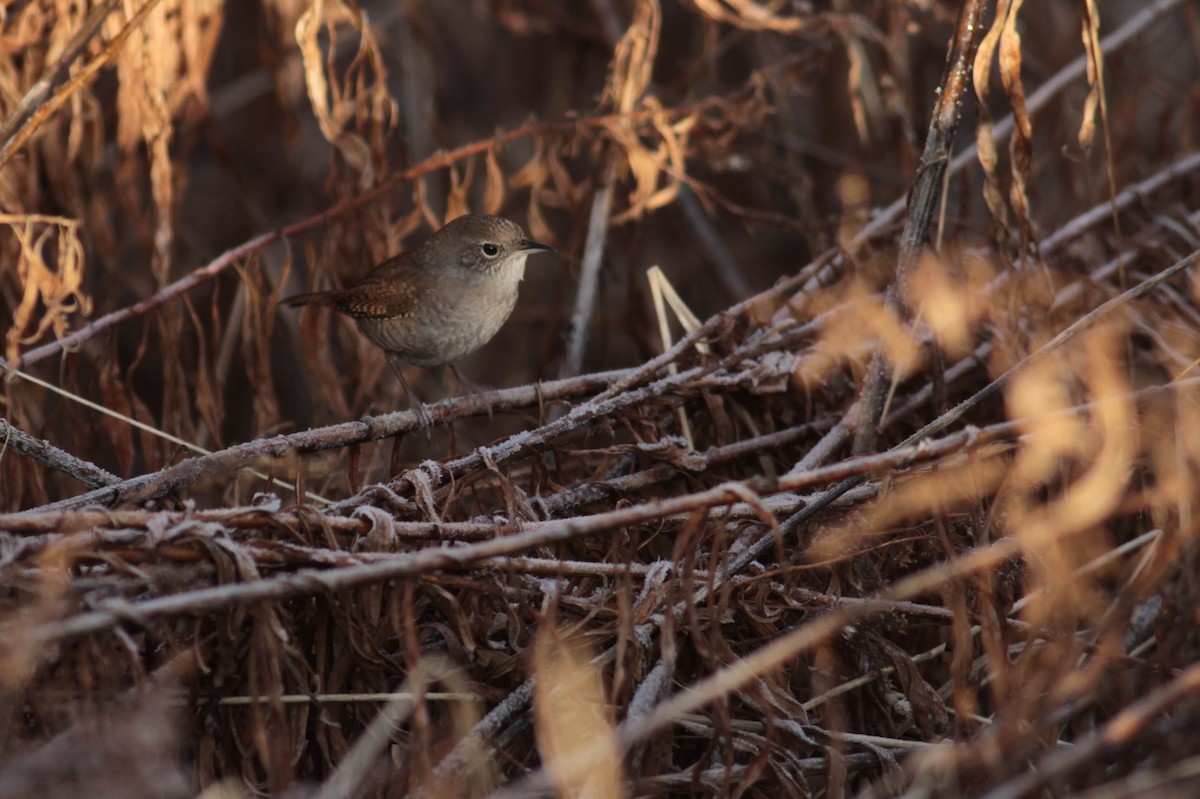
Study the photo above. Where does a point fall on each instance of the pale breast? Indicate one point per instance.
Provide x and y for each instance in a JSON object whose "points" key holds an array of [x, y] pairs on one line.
{"points": [[449, 324]]}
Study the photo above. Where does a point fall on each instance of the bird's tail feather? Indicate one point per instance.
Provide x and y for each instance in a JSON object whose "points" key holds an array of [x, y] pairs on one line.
{"points": [[314, 298]]}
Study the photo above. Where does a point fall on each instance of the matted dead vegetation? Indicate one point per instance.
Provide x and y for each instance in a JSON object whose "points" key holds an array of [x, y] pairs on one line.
{"points": [[850, 449]]}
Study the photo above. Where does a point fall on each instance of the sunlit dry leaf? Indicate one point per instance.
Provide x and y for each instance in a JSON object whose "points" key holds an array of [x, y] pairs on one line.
{"points": [[1095, 73], [955, 485], [570, 193], [334, 107], [201, 22], [667, 161], [50, 588], [575, 734], [749, 15], [1020, 146], [405, 225], [633, 57], [535, 172], [421, 202], [57, 289], [1037, 395], [1051, 530], [645, 167], [163, 66], [946, 488], [857, 321], [985, 141], [854, 192], [460, 184], [493, 192], [534, 176], [855, 75], [538, 228], [951, 307]]}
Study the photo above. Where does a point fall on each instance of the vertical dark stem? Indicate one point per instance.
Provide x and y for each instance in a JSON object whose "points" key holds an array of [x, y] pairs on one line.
{"points": [[925, 196]]}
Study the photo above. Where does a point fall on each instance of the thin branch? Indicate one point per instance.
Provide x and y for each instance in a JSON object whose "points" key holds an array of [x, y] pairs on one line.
{"points": [[58, 88], [768, 658], [926, 192], [589, 274], [49, 455], [1054, 85], [54, 77], [372, 428]]}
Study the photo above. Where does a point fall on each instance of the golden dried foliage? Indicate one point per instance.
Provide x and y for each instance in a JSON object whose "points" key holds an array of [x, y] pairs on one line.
{"points": [[571, 713], [769, 607], [54, 288], [361, 93], [751, 15], [952, 305]]}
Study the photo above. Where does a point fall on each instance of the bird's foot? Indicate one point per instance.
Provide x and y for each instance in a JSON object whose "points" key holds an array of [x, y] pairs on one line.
{"points": [[424, 417]]}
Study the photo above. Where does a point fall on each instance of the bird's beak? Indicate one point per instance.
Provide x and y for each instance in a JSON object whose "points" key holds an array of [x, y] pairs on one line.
{"points": [[534, 246]]}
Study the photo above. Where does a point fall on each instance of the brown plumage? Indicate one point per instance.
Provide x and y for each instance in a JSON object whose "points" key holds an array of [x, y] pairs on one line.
{"points": [[441, 301]]}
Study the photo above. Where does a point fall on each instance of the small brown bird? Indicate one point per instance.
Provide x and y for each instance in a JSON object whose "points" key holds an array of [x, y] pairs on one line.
{"points": [[440, 302]]}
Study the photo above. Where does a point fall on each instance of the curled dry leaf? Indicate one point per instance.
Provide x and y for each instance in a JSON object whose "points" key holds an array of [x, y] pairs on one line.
{"points": [[57, 289], [421, 203], [460, 184], [1090, 33], [1021, 145], [633, 58], [534, 176], [649, 168], [339, 104], [163, 66], [985, 141], [493, 190], [750, 15]]}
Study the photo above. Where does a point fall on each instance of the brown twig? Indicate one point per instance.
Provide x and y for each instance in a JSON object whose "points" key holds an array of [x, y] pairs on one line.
{"points": [[531, 535], [1120, 733], [770, 657], [925, 194], [58, 73], [188, 473], [49, 455]]}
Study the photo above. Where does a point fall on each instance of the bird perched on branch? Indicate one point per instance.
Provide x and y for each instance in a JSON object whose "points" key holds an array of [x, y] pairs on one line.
{"points": [[441, 301]]}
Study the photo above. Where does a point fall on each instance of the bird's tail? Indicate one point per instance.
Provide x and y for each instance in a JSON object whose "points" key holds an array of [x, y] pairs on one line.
{"points": [[314, 298]]}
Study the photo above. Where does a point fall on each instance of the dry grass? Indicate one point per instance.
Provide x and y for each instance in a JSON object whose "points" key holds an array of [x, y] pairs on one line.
{"points": [[881, 485]]}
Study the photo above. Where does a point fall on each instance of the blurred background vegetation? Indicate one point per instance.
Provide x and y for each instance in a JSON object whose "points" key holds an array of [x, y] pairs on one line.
{"points": [[190, 162]]}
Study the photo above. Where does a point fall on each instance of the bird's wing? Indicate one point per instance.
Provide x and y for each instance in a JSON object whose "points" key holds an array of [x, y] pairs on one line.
{"points": [[384, 293]]}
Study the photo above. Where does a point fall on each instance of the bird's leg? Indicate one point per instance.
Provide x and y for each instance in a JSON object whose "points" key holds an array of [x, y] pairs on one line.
{"points": [[465, 385], [468, 387], [424, 418]]}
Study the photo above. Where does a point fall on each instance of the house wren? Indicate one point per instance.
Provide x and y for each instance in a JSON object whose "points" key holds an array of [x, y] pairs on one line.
{"points": [[440, 302]]}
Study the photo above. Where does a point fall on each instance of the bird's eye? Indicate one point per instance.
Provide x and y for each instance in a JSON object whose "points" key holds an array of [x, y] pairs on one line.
{"points": [[490, 250]]}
